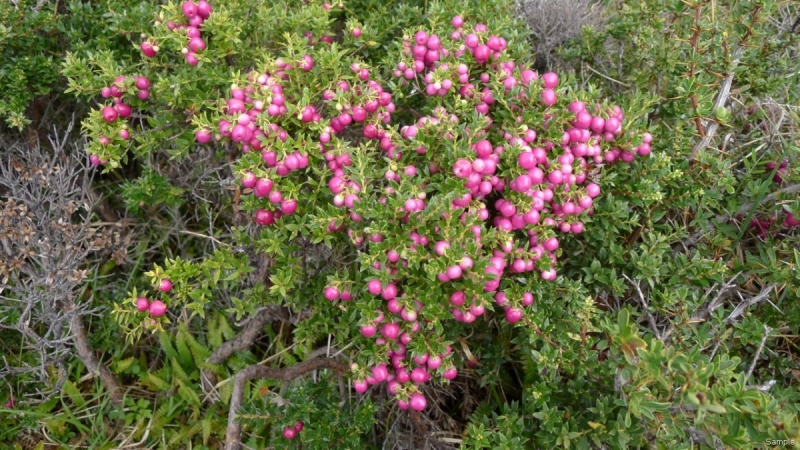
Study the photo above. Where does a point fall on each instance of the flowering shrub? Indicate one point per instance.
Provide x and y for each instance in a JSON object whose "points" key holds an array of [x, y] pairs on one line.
{"points": [[450, 214]]}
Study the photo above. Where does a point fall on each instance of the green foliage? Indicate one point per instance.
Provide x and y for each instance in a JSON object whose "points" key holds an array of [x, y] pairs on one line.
{"points": [[329, 420], [34, 36], [150, 188]]}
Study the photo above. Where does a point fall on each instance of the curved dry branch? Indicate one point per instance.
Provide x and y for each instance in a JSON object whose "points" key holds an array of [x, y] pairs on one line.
{"points": [[242, 341], [87, 355], [722, 98], [234, 431]]}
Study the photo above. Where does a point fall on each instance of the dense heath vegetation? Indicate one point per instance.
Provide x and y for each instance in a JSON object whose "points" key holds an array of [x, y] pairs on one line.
{"points": [[413, 224]]}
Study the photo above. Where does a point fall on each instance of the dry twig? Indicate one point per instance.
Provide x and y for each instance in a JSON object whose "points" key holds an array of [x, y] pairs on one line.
{"points": [[234, 431]]}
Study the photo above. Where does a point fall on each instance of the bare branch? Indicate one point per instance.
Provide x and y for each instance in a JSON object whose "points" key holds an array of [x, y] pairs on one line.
{"points": [[93, 365], [647, 314], [767, 330], [242, 341], [705, 311], [234, 431], [739, 310], [722, 98]]}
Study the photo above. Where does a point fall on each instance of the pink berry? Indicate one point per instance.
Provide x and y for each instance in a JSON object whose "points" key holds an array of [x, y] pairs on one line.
{"points": [[265, 217], [331, 293], [197, 44], [142, 83], [142, 304], [513, 315], [418, 402], [148, 50], [262, 187], [165, 285], [249, 180], [368, 330], [123, 110], [109, 114], [289, 433], [390, 330], [288, 206], [550, 80], [374, 287], [203, 9], [157, 308], [189, 9], [360, 386], [356, 32], [203, 136]]}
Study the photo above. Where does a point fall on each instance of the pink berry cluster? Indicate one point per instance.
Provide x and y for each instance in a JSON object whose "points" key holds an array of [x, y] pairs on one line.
{"points": [[264, 95], [551, 174], [362, 103], [196, 13], [312, 42], [120, 109], [551, 187], [403, 380], [762, 225], [781, 172], [10, 403], [156, 308], [292, 431]]}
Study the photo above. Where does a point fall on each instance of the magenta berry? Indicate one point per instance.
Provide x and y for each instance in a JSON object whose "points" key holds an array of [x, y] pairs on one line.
{"points": [[191, 59], [513, 315], [331, 293], [204, 9], [142, 83], [203, 136], [368, 330], [418, 402], [265, 217], [110, 114], [157, 308], [550, 80], [148, 50], [196, 44], [165, 285], [142, 304], [123, 110], [189, 9], [360, 386]]}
